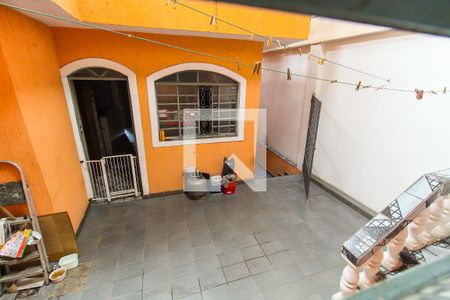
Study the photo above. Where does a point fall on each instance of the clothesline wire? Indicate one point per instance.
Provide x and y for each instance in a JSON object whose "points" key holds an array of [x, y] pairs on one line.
{"points": [[230, 60], [266, 38]]}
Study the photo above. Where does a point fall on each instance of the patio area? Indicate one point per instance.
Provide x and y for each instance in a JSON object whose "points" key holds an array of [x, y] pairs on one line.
{"points": [[267, 245]]}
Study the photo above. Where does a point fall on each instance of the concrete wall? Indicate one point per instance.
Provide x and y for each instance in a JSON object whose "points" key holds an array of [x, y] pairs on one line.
{"points": [[371, 144]]}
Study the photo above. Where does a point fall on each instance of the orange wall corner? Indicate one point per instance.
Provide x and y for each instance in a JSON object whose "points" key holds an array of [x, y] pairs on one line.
{"points": [[31, 60]]}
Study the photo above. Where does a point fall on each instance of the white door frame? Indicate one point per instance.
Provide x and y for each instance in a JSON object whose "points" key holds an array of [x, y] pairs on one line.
{"points": [[135, 108]]}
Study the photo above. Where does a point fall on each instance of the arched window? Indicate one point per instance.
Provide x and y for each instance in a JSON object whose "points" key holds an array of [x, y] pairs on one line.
{"points": [[216, 95]]}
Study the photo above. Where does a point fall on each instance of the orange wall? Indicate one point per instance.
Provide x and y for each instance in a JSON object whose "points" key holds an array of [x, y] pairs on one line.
{"points": [[164, 165], [31, 60], [156, 14], [15, 143]]}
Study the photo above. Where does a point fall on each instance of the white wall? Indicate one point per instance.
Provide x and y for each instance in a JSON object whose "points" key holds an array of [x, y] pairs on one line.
{"points": [[373, 144], [281, 99]]}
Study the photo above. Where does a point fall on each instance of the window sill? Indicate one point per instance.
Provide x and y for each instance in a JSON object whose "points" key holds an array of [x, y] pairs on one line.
{"points": [[157, 144]]}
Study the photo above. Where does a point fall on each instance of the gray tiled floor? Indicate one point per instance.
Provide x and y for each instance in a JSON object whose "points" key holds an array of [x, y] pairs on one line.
{"points": [[266, 245]]}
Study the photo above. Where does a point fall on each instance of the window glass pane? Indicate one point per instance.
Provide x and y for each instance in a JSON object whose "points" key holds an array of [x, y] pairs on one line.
{"points": [[217, 93], [228, 90], [187, 76], [212, 77], [166, 89], [170, 78], [188, 90], [164, 100], [97, 73]]}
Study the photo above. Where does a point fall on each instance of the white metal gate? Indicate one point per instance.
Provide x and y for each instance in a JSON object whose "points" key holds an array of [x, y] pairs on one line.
{"points": [[114, 177]]}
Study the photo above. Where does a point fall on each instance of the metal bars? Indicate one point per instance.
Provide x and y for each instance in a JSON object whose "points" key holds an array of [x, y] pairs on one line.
{"points": [[114, 177]]}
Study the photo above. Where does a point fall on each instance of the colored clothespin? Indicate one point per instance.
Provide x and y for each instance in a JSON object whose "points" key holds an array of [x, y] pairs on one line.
{"points": [[213, 20], [333, 81], [289, 75], [321, 61], [358, 86], [269, 42], [256, 68], [419, 94]]}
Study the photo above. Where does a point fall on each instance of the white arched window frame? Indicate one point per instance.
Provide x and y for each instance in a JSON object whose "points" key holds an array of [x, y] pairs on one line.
{"points": [[153, 107]]}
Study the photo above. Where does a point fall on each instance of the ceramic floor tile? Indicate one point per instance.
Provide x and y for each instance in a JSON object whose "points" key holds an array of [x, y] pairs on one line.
{"points": [[235, 272], [252, 252], [202, 245], [259, 265]]}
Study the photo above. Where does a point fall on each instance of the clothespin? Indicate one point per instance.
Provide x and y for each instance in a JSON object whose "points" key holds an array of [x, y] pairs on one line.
{"points": [[309, 56], [445, 90], [251, 36], [289, 76], [366, 86], [167, 2], [321, 61], [419, 94], [174, 4], [358, 86], [238, 64], [300, 51], [269, 42], [433, 92], [129, 35], [213, 20], [256, 68], [333, 81], [380, 87], [279, 44]]}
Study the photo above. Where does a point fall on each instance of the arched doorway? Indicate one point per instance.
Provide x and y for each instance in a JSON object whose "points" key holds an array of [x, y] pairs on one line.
{"points": [[104, 110]]}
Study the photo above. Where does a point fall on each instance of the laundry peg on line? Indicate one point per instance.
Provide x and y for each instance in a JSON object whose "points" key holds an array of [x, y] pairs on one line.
{"points": [[321, 61], [256, 68], [333, 81], [167, 2], [174, 4], [238, 64], [279, 44], [419, 94], [289, 75], [213, 20], [445, 90], [269, 42], [358, 86]]}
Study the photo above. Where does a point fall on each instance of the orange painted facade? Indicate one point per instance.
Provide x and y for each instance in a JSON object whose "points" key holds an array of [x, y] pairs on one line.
{"points": [[35, 127], [156, 14], [165, 164]]}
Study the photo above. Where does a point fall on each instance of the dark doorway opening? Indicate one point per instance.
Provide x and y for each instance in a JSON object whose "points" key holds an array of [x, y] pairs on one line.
{"points": [[105, 116]]}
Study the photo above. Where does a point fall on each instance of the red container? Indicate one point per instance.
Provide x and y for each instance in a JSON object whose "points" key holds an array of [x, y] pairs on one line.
{"points": [[230, 189]]}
